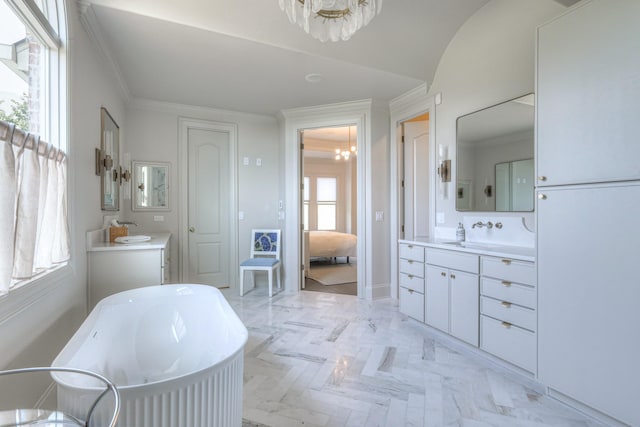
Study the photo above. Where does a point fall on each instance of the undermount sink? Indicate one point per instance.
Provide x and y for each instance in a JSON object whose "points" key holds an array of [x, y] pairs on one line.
{"points": [[471, 245]]}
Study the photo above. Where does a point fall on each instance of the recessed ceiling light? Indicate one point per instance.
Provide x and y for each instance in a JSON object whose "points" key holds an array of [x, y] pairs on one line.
{"points": [[313, 77]]}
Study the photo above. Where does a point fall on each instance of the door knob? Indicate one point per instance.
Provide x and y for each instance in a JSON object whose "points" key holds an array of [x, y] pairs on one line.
{"points": [[542, 178], [192, 229]]}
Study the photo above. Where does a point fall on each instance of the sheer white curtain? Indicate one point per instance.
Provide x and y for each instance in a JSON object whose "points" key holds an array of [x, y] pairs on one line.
{"points": [[33, 206]]}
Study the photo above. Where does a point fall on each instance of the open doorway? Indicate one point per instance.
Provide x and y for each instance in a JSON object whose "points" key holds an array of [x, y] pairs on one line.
{"points": [[329, 209]]}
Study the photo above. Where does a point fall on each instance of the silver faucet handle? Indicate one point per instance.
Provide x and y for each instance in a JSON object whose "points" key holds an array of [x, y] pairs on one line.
{"points": [[498, 225], [489, 224]]}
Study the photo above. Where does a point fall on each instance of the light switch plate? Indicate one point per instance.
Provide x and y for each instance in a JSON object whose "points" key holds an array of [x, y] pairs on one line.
{"points": [[258, 161], [158, 218], [379, 216], [440, 217]]}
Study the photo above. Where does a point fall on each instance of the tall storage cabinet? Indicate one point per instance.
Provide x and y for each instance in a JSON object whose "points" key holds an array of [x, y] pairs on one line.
{"points": [[588, 167]]}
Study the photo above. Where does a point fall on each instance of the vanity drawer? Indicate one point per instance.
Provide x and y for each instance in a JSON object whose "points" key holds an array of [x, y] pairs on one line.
{"points": [[413, 268], [511, 292], [508, 342], [509, 270], [454, 260], [410, 281], [511, 313], [412, 303], [411, 252]]}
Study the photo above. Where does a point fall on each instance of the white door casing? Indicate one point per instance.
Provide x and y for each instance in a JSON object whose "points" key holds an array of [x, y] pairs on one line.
{"points": [[403, 108], [208, 230], [353, 113]]}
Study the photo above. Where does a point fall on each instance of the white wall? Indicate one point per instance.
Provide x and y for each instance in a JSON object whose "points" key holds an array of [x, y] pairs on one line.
{"points": [[152, 135], [35, 335], [491, 59]]}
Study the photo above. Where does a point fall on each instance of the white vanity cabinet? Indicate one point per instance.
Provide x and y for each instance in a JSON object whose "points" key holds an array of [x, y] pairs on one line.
{"points": [[411, 280], [114, 267], [451, 293], [508, 315]]}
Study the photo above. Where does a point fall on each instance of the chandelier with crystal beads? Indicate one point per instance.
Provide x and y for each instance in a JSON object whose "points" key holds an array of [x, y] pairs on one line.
{"points": [[331, 19]]}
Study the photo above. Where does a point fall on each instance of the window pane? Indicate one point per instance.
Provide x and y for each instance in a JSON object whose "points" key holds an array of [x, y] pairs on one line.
{"points": [[327, 189], [23, 68], [327, 217], [306, 184]]}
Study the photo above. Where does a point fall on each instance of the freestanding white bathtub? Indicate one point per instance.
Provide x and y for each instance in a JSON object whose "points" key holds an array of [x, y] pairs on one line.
{"points": [[175, 352]]}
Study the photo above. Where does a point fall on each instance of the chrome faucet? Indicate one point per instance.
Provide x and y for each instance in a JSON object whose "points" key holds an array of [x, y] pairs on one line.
{"points": [[481, 224], [127, 223]]}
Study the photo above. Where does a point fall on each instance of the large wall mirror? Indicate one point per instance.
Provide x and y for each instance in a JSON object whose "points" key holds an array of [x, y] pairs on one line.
{"points": [[495, 148], [150, 186], [109, 162]]}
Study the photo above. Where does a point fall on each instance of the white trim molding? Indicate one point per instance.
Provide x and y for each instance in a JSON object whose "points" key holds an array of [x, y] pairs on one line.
{"points": [[295, 120], [91, 25], [403, 108]]}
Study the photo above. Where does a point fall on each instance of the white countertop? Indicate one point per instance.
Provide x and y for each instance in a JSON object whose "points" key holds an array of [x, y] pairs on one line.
{"points": [[516, 252], [158, 241]]}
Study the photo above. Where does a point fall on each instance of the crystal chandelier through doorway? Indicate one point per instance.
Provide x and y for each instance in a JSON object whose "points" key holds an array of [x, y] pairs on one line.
{"points": [[331, 19]]}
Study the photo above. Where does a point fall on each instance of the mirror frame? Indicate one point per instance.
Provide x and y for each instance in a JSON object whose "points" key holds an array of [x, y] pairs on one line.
{"points": [[465, 202], [135, 205], [109, 162]]}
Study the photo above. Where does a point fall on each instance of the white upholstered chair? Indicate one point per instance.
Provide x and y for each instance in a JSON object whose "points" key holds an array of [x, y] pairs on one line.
{"points": [[265, 256]]}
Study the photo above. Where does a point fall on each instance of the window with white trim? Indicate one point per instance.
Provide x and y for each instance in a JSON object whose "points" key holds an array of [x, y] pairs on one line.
{"points": [[320, 203], [33, 202]]}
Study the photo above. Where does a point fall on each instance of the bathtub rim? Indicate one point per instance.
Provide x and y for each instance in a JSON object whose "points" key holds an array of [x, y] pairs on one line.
{"points": [[178, 378]]}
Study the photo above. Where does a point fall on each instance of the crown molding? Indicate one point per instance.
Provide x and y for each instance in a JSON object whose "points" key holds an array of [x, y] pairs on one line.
{"points": [[418, 95], [90, 23], [194, 110]]}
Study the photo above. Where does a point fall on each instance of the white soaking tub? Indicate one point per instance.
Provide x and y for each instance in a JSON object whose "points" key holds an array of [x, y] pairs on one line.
{"points": [[175, 353]]}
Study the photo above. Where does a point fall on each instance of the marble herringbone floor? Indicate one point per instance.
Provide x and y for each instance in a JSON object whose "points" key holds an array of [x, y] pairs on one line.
{"points": [[318, 359]]}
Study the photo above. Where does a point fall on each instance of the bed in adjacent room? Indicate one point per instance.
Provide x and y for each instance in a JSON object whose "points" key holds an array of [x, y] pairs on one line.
{"points": [[328, 244]]}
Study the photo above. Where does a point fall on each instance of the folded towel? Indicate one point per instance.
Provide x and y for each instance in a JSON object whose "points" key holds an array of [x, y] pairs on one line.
{"points": [[133, 239]]}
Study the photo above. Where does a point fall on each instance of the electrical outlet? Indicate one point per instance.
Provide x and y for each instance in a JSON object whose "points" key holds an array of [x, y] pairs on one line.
{"points": [[158, 218], [379, 216], [245, 161], [258, 161]]}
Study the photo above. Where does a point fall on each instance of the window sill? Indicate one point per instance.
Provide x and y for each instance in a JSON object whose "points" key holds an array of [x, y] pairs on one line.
{"points": [[28, 292]]}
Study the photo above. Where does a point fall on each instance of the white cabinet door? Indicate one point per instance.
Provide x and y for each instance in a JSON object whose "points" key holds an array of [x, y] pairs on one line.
{"points": [[437, 297], [464, 306], [589, 295], [587, 94]]}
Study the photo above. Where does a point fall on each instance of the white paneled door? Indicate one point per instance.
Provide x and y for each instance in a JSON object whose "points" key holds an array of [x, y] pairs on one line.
{"points": [[209, 207], [416, 180]]}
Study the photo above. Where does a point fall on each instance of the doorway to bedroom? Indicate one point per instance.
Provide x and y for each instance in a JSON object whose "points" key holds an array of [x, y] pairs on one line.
{"points": [[329, 209]]}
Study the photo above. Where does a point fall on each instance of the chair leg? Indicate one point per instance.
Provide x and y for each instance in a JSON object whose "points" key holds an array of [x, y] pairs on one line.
{"points": [[270, 283], [241, 282], [278, 278]]}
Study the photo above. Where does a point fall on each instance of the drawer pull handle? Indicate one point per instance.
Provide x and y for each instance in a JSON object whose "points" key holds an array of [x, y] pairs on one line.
{"points": [[410, 246], [505, 283], [443, 274], [453, 276], [506, 261], [506, 325], [410, 291], [410, 276], [410, 261], [506, 304]]}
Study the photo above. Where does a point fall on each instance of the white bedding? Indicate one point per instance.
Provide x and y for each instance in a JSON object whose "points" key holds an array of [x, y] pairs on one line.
{"points": [[328, 244]]}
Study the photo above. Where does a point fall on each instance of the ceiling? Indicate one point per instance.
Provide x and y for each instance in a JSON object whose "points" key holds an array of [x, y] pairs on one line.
{"points": [[245, 55]]}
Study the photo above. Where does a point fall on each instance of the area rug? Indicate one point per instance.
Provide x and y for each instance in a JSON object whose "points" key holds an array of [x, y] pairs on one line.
{"points": [[334, 274]]}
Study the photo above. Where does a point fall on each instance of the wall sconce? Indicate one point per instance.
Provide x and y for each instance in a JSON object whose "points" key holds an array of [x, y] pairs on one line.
{"points": [[101, 162], [444, 171], [125, 175]]}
